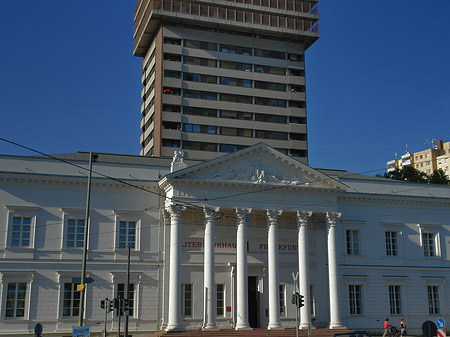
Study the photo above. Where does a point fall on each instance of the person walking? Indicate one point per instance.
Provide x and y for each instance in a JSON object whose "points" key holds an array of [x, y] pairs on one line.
{"points": [[402, 328], [386, 327]]}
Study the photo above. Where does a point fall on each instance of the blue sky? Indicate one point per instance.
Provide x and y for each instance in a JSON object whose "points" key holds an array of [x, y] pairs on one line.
{"points": [[377, 79]]}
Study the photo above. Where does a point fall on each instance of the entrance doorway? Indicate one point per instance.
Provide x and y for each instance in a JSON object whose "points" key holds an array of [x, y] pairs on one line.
{"points": [[253, 302]]}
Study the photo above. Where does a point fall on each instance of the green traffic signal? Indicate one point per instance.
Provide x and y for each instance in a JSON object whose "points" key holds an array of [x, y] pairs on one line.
{"points": [[102, 304]]}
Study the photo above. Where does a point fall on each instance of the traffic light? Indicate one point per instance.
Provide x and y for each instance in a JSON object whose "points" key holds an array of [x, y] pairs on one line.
{"points": [[294, 298], [102, 304], [301, 301], [111, 304]]}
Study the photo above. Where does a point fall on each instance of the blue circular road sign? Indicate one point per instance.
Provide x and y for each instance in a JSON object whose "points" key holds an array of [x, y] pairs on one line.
{"points": [[440, 323]]}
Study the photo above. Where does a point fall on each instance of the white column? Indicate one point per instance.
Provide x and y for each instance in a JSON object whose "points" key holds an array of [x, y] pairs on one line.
{"points": [[274, 292], [241, 270], [208, 271], [335, 319], [174, 320], [303, 267]]}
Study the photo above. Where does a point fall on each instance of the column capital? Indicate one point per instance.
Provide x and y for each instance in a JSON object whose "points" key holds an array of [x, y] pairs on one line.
{"points": [[272, 215], [241, 213], [302, 217], [210, 212], [175, 210], [332, 218]]}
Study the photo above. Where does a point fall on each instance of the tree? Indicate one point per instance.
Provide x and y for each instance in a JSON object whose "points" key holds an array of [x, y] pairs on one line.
{"points": [[409, 173], [438, 177]]}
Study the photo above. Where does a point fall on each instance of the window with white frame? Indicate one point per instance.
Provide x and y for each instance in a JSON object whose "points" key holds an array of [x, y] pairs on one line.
{"points": [[121, 293], [186, 300], [282, 297], [21, 223], [430, 240], [433, 300], [391, 243], [71, 300], [128, 229], [73, 228], [220, 298], [352, 240], [395, 299], [429, 243], [127, 234], [15, 300], [75, 233], [355, 299], [21, 231]]}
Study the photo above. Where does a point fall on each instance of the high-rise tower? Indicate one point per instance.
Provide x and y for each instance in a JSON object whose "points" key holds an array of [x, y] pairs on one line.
{"points": [[222, 75]]}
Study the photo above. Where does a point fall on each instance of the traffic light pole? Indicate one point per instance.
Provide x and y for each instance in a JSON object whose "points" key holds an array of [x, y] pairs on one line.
{"points": [[85, 243], [127, 311], [106, 315], [120, 316]]}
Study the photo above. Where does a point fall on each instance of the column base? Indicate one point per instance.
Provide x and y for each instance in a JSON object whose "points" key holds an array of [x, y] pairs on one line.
{"points": [[210, 326], [336, 325], [306, 326], [243, 326], [173, 327], [276, 326]]}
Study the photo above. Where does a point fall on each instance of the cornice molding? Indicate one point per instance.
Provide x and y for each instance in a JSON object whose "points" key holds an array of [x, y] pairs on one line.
{"points": [[73, 181], [394, 199]]}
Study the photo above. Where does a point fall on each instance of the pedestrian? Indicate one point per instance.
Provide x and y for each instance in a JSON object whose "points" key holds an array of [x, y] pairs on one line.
{"points": [[402, 328], [386, 327]]}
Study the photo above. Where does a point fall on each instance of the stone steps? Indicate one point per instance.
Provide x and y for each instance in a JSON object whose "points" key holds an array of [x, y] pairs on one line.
{"points": [[250, 333]]}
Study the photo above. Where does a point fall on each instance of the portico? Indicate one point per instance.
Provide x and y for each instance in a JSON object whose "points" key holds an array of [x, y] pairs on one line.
{"points": [[274, 195]]}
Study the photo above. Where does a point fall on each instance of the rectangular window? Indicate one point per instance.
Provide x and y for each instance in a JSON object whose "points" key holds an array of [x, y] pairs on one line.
{"points": [[200, 78], [355, 299], [121, 291], [199, 146], [75, 233], [429, 244], [433, 300], [282, 296], [21, 231], [312, 300], [391, 243], [200, 45], [235, 66], [220, 296], [199, 111], [199, 61], [71, 300], [186, 300], [352, 239], [395, 301], [248, 116], [15, 299], [127, 234]]}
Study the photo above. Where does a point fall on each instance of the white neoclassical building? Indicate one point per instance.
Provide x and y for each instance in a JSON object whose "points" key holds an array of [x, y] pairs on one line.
{"points": [[217, 244]]}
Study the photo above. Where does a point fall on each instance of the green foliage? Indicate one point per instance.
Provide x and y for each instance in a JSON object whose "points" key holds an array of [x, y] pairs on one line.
{"points": [[438, 177], [409, 173]]}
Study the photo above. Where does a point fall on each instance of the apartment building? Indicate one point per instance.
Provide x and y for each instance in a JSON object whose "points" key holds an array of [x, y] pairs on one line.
{"points": [[425, 161], [221, 76]]}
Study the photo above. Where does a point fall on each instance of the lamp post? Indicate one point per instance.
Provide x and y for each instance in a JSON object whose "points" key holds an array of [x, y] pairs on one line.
{"points": [[85, 243]]}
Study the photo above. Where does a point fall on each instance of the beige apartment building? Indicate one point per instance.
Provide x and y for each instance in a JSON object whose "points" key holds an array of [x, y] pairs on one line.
{"points": [[219, 76], [425, 161]]}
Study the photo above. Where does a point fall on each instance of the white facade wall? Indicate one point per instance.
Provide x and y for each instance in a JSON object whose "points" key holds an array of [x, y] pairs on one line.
{"points": [[52, 193]]}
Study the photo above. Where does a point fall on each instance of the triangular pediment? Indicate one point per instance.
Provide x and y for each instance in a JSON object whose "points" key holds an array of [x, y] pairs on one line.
{"points": [[256, 165]]}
